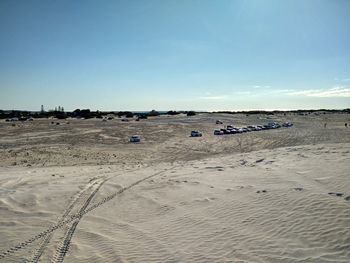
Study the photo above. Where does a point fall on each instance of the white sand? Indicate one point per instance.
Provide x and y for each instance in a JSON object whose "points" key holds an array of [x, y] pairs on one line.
{"points": [[267, 196]]}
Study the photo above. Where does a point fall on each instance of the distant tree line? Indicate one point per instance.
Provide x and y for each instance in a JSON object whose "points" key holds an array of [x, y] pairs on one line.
{"points": [[301, 112], [59, 113]]}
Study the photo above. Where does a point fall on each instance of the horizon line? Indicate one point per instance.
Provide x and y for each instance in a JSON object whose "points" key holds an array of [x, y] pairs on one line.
{"points": [[203, 111]]}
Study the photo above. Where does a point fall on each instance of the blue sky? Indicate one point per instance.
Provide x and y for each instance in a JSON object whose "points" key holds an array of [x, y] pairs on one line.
{"points": [[200, 55]]}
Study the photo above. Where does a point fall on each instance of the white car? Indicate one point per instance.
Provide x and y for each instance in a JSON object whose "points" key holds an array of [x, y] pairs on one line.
{"points": [[287, 124], [218, 132], [135, 138]]}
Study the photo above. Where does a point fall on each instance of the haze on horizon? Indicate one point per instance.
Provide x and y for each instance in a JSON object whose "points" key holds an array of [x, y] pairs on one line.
{"points": [[180, 55]]}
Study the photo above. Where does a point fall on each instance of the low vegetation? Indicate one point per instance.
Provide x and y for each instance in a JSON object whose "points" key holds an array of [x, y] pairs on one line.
{"points": [[88, 114]]}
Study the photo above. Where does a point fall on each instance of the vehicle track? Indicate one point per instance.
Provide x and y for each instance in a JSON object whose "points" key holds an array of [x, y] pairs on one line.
{"points": [[64, 245], [84, 194], [73, 218]]}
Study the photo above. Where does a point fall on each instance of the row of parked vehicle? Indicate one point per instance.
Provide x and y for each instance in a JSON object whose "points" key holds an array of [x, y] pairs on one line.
{"points": [[232, 130]]}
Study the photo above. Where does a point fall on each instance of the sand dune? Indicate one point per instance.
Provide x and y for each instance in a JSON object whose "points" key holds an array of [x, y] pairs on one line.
{"points": [[271, 196]]}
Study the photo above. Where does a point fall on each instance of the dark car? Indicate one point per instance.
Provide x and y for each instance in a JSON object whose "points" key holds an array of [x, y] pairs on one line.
{"points": [[234, 130], [196, 134], [227, 131], [135, 138]]}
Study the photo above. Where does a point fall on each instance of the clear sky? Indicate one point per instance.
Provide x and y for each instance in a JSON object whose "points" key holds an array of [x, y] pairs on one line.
{"points": [[175, 54]]}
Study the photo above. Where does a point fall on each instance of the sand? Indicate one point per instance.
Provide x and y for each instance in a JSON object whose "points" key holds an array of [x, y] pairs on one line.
{"points": [[79, 192]]}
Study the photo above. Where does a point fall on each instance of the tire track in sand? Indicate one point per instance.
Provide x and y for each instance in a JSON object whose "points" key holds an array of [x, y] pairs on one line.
{"points": [[78, 201], [65, 243], [75, 218], [46, 235]]}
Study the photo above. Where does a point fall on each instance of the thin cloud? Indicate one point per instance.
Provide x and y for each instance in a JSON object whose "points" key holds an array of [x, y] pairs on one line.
{"points": [[222, 97], [282, 91], [261, 86], [244, 92], [333, 92]]}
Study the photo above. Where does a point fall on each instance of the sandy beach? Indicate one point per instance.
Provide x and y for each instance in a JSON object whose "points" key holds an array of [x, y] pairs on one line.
{"points": [[80, 192]]}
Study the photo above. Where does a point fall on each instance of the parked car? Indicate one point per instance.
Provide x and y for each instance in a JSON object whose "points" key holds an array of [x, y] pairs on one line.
{"points": [[218, 132], [287, 124], [252, 128], [226, 131], [219, 122], [273, 125], [196, 134], [135, 138], [234, 130]]}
